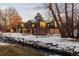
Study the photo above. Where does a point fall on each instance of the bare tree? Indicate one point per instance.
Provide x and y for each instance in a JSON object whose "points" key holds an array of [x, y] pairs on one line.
{"points": [[69, 20], [9, 14], [60, 20], [2, 19], [63, 34], [72, 19]]}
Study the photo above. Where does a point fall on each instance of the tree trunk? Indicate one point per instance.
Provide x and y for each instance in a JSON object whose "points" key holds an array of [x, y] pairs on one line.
{"points": [[72, 19], [67, 21], [60, 19], [54, 16]]}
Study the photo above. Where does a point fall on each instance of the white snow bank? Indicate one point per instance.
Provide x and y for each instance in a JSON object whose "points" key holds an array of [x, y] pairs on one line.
{"points": [[55, 39]]}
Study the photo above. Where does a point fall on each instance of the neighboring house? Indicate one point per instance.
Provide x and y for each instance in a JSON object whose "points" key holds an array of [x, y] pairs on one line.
{"points": [[52, 27]]}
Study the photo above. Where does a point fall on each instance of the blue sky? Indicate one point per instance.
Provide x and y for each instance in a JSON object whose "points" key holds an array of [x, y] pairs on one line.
{"points": [[26, 10]]}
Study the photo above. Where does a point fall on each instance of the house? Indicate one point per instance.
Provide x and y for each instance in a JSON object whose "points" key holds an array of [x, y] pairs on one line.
{"points": [[29, 25], [40, 26], [41, 29], [52, 27], [36, 27]]}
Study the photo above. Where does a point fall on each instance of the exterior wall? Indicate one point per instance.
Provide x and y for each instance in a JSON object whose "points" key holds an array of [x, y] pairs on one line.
{"points": [[54, 31], [25, 31], [40, 31]]}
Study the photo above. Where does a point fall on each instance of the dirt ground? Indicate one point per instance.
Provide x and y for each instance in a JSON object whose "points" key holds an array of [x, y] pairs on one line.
{"points": [[17, 50]]}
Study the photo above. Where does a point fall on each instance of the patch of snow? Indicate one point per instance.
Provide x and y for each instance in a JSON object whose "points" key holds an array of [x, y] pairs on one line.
{"points": [[1, 43], [13, 34], [55, 39]]}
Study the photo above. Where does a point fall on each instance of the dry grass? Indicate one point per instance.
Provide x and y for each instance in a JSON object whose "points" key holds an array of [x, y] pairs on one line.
{"points": [[17, 50]]}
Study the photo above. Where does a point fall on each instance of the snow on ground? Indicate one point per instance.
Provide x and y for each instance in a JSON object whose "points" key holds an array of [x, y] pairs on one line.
{"points": [[55, 39], [1, 43]]}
